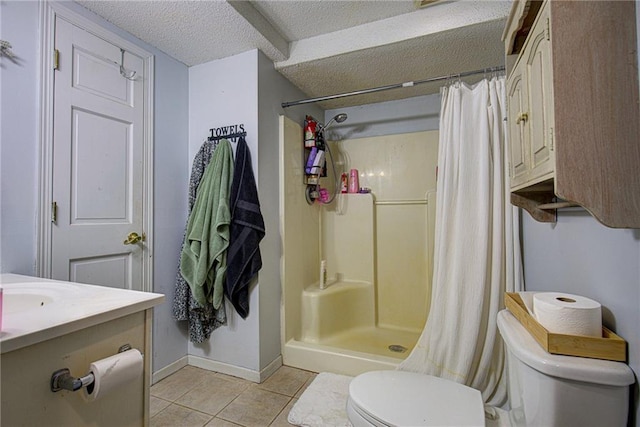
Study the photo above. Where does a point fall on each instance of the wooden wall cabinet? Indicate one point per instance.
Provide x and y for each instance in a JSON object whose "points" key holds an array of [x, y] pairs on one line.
{"points": [[573, 113]]}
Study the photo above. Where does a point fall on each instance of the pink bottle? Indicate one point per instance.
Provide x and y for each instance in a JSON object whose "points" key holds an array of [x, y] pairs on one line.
{"points": [[354, 185]]}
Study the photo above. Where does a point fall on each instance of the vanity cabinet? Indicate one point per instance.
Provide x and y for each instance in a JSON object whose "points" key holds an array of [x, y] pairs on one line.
{"points": [[49, 325], [26, 396], [572, 109]]}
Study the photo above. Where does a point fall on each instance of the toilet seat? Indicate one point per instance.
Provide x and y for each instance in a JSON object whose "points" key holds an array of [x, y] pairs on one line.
{"points": [[397, 398]]}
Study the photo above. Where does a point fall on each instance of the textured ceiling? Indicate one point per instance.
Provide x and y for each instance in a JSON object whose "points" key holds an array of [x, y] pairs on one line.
{"points": [[299, 20], [325, 47]]}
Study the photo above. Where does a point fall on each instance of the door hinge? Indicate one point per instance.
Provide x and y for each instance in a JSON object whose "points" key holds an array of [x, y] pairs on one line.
{"points": [[56, 59], [547, 32], [54, 212], [551, 139]]}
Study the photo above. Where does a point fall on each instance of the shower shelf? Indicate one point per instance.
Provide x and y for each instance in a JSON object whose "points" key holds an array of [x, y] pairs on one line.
{"points": [[401, 202]]}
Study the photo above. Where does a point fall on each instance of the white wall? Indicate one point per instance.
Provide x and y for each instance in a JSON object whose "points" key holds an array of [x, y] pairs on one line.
{"points": [[170, 201], [415, 114], [581, 256], [19, 131], [19, 151], [223, 93]]}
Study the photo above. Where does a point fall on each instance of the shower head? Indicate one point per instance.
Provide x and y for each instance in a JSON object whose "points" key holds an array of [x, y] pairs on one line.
{"points": [[338, 118]]}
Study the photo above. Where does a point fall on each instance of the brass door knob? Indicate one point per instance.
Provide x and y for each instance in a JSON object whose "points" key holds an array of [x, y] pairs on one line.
{"points": [[134, 238]]}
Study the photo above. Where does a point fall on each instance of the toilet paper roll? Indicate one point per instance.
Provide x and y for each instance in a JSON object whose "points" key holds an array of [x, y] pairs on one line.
{"points": [[113, 372], [527, 299], [568, 314]]}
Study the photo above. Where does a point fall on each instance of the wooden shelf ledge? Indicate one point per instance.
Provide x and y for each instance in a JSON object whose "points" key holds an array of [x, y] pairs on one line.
{"points": [[558, 205], [531, 202], [541, 205]]}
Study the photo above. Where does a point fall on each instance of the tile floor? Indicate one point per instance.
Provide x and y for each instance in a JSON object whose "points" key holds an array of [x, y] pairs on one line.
{"points": [[197, 397]]}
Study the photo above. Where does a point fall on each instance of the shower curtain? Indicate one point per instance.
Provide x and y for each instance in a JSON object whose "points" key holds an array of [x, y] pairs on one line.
{"points": [[476, 253]]}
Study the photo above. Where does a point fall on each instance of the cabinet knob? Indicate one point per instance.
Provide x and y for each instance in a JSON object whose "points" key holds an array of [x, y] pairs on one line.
{"points": [[522, 117]]}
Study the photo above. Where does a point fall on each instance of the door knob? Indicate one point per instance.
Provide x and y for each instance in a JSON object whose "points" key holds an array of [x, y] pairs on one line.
{"points": [[522, 117], [134, 238]]}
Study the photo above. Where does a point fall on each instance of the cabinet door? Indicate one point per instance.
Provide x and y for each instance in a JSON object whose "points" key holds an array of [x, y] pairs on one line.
{"points": [[517, 105], [539, 89]]}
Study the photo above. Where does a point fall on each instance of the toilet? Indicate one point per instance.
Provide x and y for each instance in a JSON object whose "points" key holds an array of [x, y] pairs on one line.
{"points": [[543, 389]]}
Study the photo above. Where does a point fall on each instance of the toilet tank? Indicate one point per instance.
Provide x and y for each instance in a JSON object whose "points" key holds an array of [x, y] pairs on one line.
{"points": [[551, 390]]}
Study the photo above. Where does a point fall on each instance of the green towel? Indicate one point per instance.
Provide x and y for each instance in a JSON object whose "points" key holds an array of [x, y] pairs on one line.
{"points": [[203, 261]]}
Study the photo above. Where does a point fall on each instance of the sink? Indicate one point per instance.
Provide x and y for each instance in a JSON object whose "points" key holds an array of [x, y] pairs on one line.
{"points": [[20, 297], [37, 310], [17, 302]]}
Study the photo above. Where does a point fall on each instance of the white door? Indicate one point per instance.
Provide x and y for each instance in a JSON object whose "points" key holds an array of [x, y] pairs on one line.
{"points": [[98, 141]]}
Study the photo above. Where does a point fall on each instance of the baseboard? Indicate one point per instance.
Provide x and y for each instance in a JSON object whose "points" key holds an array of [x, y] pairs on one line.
{"points": [[236, 371], [171, 368], [224, 368], [271, 368]]}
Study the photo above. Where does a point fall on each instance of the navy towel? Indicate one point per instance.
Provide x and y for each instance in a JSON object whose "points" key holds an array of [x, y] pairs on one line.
{"points": [[247, 230]]}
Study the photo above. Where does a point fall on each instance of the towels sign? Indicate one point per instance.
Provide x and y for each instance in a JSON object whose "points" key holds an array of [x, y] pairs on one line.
{"points": [[231, 132]]}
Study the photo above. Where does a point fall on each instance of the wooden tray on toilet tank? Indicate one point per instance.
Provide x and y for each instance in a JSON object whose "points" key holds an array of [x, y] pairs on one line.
{"points": [[609, 347]]}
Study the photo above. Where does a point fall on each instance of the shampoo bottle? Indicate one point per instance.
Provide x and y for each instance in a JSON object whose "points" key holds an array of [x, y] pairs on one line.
{"points": [[354, 185], [312, 157]]}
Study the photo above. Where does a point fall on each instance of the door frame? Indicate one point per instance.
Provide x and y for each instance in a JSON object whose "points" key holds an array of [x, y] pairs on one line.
{"points": [[49, 10]]}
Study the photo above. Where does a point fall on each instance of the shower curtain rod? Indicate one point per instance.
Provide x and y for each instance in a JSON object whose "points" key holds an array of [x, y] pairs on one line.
{"points": [[394, 86]]}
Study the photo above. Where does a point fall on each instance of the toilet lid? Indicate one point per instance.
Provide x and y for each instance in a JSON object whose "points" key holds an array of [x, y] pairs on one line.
{"points": [[409, 399]]}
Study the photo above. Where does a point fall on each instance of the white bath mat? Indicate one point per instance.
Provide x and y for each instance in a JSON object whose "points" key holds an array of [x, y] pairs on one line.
{"points": [[323, 403]]}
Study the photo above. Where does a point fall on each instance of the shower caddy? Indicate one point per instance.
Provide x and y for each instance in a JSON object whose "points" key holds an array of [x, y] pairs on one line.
{"points": [[313, 162]]}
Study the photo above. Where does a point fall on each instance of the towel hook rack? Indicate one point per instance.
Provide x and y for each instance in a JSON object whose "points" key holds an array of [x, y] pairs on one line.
{"points": [[227, 132]]}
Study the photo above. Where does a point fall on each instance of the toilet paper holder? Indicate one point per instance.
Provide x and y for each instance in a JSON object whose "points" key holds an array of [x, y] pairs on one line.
{"points": [[63, 380]]}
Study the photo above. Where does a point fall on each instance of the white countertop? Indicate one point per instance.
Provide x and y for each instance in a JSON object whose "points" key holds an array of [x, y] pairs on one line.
{"points": [[36, 309]]}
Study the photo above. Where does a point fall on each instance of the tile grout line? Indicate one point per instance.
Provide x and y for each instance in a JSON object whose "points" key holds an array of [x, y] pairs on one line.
{"points": [[261, 389], [234, 399], [225, 406], [187, 408], [281, 411], [250, 384], [282, 394], [191, 387]]}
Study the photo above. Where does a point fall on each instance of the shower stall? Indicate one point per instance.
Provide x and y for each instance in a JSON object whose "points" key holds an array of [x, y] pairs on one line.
{"points": [[377, 246]]}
